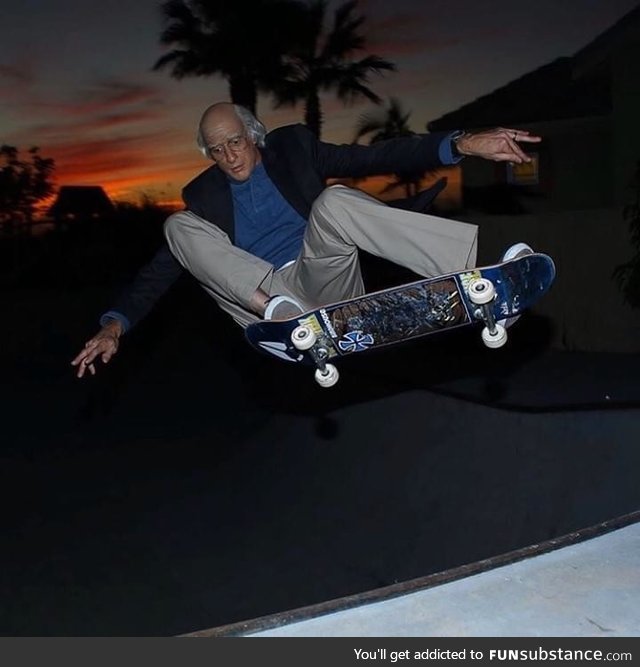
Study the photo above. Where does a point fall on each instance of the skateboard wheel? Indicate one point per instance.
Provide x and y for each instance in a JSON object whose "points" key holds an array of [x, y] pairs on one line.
{"points": [[497, 339], [303, 337], [328, 377], [481, 291]]}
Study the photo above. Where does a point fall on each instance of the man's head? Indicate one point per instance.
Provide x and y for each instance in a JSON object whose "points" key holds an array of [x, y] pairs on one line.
{"points": [[230, 135]]}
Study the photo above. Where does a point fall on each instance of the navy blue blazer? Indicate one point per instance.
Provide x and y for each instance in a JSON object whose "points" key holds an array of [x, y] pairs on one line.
{"points": [[299, 166]]}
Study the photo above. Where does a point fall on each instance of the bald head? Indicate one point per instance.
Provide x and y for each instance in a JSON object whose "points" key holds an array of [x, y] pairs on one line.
{"points": [[218, 111]]}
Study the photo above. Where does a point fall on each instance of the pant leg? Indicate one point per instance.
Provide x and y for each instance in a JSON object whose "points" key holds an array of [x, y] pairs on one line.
{"points": [[343, 219], [228, 274]]}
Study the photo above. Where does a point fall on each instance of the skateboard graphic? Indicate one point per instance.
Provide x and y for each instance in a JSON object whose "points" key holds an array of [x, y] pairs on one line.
{"points": [[428, 306]]}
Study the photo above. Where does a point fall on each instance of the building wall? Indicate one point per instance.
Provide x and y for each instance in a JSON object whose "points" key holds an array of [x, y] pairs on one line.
{"points": [[626, 106], [574, 170], [585, 306]]}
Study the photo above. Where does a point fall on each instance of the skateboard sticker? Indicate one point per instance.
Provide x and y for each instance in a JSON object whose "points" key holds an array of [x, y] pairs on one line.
{"points": [[394, 316], [355, 341], [467, 277], [281, 350], [321, 331], [312, 322]]}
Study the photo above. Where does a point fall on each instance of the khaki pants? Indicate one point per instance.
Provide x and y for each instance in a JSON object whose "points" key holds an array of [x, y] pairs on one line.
{"points": [[327, 269]]}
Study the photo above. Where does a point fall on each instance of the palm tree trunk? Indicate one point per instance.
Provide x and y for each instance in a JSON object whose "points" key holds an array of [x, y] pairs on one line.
{"points": [[243, 91], [313, 113]]}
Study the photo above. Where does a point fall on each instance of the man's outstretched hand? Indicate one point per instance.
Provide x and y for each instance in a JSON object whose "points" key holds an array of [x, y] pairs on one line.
{"points": [[103, 345], [499, 144]]}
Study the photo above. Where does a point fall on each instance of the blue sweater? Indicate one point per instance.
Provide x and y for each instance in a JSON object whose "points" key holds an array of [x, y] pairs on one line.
{"points": [[266, 225]]}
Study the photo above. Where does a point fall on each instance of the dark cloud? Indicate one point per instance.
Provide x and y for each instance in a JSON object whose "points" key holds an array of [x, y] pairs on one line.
{"points": [[86, 124], [84, 114], [102, 98], [17, 74], [406, 34], [16, 79]]}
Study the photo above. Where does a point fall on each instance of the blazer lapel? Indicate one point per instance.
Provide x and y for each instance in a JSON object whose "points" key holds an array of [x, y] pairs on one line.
{"points": [[220, 203], [285, 181]]}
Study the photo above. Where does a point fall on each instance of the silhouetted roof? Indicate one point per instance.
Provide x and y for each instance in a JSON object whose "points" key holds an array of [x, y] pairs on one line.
{"points": [[569, 87], [548, 93], [597, 51], [81, 201]]}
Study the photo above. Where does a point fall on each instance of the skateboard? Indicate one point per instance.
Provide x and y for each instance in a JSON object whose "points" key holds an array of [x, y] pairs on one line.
{"points": [[406, 312]]}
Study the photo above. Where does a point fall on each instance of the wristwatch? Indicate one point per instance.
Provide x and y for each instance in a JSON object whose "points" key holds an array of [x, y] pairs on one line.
{"points": [[455, 137]]}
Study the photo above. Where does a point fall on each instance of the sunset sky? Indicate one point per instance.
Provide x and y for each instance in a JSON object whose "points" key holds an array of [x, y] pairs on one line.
{"points": [[76, 79]]}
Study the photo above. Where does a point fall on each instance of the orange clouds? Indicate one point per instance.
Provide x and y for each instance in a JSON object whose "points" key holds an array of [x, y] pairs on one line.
{"points": [[126, 167], [109, 132]]}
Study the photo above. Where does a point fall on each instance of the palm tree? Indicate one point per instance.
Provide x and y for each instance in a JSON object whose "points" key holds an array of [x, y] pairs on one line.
{"points": [[240, 40], [390, 123], [323, 61]]}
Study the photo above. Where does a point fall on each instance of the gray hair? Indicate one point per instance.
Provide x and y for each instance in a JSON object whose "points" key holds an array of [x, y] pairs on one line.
{"points": [[254, 128]]}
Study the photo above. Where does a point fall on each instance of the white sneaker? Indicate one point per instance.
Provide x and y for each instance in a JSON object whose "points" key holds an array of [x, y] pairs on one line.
{"points": [[515, 251], [281, 307]]}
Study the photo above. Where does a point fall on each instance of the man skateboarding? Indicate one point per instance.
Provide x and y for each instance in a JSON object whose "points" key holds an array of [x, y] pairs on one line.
{"points": [[266, 238]]}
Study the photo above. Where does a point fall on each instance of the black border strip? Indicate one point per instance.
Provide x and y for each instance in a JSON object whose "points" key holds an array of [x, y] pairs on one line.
{"points": [[422, 583]]}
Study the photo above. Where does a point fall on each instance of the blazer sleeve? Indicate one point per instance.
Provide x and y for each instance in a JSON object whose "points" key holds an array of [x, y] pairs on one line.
{"points": [[155, 278], [150, 283], [414, 154]]}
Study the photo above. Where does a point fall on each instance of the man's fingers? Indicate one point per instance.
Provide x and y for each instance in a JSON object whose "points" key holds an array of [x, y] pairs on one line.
{"points": [[521, 135], [88, 346], [100, 346], [510, 157], [90, 356], [85, 358], [83, 366], [516, 154]]}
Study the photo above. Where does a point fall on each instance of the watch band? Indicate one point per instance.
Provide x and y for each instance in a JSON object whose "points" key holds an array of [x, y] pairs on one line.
{"points": [[454, 144]]}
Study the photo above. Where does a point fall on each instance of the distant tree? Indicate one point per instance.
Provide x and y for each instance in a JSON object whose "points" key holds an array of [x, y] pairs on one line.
{"points": [[243, 41], [24, 183], [387, 123], [323, 61], [390, 123], [628, 275]]}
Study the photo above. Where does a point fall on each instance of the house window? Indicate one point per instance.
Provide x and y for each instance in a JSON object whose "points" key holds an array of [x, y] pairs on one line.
{"points": [[525, 173]]}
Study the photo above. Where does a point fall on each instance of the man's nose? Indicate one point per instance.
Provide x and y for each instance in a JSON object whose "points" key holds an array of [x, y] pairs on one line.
{"points": [[229, 155]]}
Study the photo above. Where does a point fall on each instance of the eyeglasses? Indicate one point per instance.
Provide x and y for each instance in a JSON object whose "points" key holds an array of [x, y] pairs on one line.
{"points": [[234, 144]]}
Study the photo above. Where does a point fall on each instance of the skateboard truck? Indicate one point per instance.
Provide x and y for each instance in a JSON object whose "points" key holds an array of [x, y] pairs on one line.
{"points": [[481, 293], [304, 338]]}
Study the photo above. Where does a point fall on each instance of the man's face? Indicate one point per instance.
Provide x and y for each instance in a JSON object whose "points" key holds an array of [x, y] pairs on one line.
{"points": [[231, 148]]}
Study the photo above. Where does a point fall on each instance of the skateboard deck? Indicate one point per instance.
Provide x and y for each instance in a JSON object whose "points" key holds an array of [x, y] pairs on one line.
{"points": [[407, 312]]}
